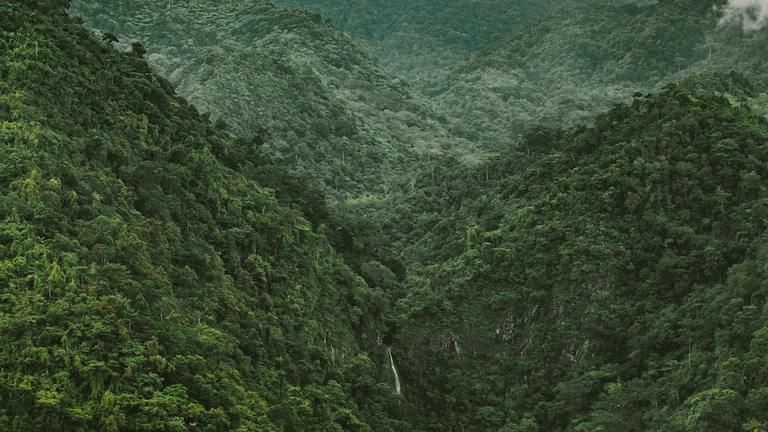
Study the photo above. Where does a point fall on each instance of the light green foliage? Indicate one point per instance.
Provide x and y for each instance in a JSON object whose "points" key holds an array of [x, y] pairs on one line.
{"points": [[148, 282]]}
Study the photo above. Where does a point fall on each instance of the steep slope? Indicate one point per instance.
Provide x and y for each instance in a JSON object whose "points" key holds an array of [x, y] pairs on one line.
{"points": [[147, 282], [602, 278], [579, 61], [417, 39], [323, 105]]}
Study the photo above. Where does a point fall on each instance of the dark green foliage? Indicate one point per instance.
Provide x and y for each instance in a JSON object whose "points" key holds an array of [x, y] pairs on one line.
{"points": [[148, 282], [50, 6], [160, 273], [109, 38], [137, 49], [602, 278]]}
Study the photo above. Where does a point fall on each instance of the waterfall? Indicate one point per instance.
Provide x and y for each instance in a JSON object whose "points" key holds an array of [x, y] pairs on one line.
{"points": [[394, 371]]}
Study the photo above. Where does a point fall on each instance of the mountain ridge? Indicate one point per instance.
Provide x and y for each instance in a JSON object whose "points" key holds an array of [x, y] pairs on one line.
{"points": [[322, 104]]}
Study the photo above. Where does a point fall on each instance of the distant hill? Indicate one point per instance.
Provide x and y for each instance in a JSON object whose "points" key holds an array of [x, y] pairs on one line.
{"points": [[321, 104], [418, 38], [579, 61]]}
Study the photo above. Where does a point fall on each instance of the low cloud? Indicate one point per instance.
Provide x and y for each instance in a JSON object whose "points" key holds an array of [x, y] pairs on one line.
{"points": [[751, 14]]}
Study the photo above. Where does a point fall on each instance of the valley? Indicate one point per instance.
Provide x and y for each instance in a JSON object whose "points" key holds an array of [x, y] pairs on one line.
{"points": [[356, 215]]}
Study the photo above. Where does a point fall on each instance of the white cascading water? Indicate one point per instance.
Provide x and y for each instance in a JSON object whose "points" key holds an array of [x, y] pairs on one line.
{"points": [[394, 371]]}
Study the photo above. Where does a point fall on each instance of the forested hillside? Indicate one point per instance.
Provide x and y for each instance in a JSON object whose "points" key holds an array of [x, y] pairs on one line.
{"points": [[580, 61], [322, 105], [418, 38], [558, 226], [602, 278], [148, 282]]}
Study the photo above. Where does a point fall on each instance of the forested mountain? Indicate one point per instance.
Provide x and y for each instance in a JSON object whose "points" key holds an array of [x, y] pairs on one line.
{"points": [[579, 61], [322, 105], [555, 62], [148, 281], [601, 278], [563, 232], [417, 38]]}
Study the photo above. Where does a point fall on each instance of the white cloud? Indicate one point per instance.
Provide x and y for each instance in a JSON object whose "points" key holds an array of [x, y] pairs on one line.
{"points": [[751, 14]]}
